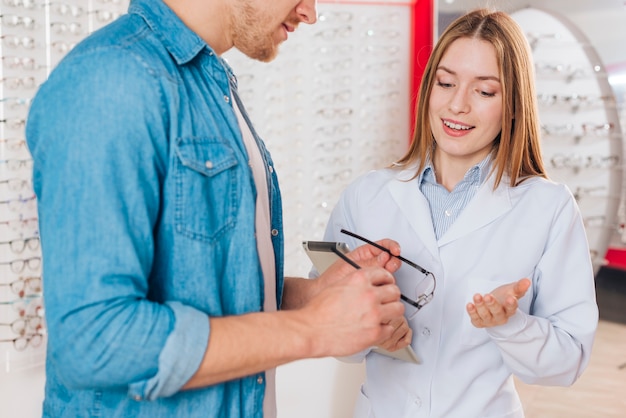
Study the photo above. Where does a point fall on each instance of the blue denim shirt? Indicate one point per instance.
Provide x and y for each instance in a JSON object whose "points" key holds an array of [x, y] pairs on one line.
{"points": [[146, 209]]}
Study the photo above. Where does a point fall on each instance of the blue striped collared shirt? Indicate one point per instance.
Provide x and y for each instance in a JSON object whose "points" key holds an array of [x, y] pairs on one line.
{"points": [[445, 206]]}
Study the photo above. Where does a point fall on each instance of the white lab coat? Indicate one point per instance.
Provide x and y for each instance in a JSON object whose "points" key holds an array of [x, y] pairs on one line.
{"points": [[534, 230]]}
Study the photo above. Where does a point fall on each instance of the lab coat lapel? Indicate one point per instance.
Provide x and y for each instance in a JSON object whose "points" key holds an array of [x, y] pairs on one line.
{"points": [[414, 208], [486, 206]]}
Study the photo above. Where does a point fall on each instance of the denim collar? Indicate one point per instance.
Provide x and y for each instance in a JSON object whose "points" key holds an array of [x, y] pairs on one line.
{"points": [[181, 42]]}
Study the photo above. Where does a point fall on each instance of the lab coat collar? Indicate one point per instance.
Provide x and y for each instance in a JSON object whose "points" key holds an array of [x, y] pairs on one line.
{"points": [[487, 206], [414, 207]]}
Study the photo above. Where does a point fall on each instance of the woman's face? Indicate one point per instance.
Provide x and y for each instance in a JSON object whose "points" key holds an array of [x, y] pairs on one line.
{"points": [[465, 106]]}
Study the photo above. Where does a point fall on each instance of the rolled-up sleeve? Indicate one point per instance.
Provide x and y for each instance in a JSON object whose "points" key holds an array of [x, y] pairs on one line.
{"points": [[178, 360]]}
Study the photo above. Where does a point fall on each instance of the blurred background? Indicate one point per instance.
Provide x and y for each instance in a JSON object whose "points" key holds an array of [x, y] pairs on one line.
{"points": [[337, 102]]}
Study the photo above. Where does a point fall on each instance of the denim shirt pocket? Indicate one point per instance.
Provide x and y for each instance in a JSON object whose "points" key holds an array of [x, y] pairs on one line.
{"points": [[206, 187]]}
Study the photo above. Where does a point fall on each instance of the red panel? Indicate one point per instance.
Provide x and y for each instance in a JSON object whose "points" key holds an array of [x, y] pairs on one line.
{"points": [[616, 257], [421, 47]]}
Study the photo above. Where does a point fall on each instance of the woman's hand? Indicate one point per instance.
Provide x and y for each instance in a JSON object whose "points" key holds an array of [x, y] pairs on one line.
{"points": [[497, 307]]}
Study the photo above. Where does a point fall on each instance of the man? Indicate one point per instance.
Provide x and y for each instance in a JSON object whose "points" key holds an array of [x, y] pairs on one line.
{"points": [[161, 227]]}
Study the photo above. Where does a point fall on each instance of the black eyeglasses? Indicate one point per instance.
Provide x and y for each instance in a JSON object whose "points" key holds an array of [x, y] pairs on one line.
{"points": [[426, 283]]}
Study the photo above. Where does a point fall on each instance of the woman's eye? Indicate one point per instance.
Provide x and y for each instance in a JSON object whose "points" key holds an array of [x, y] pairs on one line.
{"points": [[444, 85]]}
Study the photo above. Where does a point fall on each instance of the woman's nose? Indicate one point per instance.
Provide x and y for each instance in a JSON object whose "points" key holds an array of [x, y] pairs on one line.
{"points": [[459, 102]]}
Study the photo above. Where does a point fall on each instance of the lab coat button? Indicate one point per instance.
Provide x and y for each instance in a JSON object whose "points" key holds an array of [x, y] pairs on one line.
{"points": [[259, 380], [417, 402], [425, 332]]}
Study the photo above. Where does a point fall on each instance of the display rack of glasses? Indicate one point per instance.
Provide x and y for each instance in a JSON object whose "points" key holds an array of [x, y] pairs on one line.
{"points": [[581, 133], [334, 104], [34, 36]]}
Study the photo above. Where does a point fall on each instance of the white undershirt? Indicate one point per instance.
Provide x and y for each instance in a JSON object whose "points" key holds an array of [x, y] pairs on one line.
{"points": [[265, 247]]}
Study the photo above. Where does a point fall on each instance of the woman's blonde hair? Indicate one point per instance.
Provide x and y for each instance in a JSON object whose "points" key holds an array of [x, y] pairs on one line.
{"points": [[516, 151]]}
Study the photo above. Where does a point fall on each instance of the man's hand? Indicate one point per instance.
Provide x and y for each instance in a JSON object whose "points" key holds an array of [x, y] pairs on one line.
{"points": [[401, 337], [357, 311], [364, 256], [497, 307], [298, 292]]}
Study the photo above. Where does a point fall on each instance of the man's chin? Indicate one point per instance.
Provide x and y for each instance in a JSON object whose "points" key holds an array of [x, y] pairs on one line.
{"points": [[263, 55]]}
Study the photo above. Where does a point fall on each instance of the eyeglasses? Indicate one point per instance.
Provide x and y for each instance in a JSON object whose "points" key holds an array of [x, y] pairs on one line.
{"points": [[19, 225], [29, 305], [15, 184], [14, 21], [18, 265], [26, 4], [14, 124], [20, 204], [63, 9], [21, 325], [62, 47], [17, 62], [62, 28], [22, 342], [19, 104], [104, 15], [19, 245], [425, 288], [13, 41], [25, 286]]}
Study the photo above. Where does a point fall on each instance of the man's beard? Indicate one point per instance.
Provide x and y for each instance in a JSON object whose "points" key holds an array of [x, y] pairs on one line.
{"points": [[248, 28]]}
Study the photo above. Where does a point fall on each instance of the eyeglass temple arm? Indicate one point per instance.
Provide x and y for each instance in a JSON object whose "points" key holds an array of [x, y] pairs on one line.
{"points": [[380, 247]]}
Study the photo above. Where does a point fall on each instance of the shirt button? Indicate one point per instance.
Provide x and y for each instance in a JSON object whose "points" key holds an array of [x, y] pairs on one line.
{"points": [[259, 380], [137, 398], [447, 212], [208, 164], [426, 332], [274, 232], [271, 169], [226, 99]]}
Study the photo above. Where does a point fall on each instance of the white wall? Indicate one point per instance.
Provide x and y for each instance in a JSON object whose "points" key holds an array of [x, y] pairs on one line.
{"points": [[318, 388], [21, 393]]}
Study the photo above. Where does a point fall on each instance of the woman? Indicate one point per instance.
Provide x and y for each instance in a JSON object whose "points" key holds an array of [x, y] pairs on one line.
{"points": [[471, 203]]}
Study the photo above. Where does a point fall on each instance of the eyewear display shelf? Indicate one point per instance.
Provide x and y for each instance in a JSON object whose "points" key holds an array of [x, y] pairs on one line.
{"points": [[334, 104], [34, 36], [581, 133]]}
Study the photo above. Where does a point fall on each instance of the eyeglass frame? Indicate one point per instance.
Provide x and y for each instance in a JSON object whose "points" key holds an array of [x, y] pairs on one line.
{"points": [[422, 299], [22, 325], [25, 286], [32, 243], [28, 305], [34, 340], [18, 265]]}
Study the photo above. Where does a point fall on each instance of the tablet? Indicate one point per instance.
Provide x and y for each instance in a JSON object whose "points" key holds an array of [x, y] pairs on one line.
{"points": [[325, 253]]}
